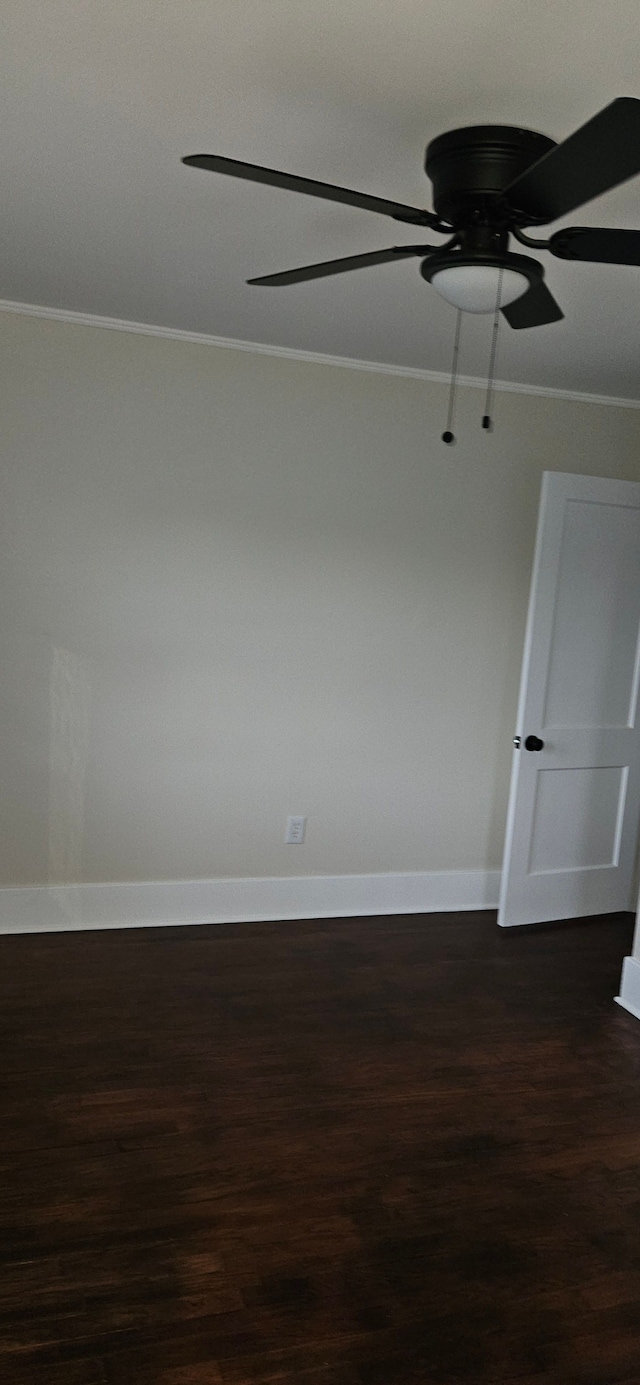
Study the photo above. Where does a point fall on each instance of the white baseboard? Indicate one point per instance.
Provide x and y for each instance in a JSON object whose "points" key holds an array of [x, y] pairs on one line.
{"points": [[629, 996], [57, 908]]}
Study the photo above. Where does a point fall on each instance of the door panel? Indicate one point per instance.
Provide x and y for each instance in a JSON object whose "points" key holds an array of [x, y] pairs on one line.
{"points": [[593, 654], [574, 807], [576, 818]]}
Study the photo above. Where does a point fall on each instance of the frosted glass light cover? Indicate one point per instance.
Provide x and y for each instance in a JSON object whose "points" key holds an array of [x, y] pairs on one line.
{"points": [[474, 287]]}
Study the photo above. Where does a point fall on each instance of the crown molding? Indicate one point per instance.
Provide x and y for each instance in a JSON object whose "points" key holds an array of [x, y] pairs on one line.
{"points": [[288, 353]]}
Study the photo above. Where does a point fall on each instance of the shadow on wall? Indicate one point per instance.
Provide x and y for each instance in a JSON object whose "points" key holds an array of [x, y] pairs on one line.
{"points": [[69, 703]]}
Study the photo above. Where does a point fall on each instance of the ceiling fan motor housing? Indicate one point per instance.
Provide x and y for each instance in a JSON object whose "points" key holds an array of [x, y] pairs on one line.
{"points": [[471, 167]]}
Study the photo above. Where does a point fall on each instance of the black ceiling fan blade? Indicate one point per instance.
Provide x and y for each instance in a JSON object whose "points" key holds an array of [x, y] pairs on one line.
{"points": [[536, 307], [318, 271], [597, 244], [596, 158], [255, 173]]}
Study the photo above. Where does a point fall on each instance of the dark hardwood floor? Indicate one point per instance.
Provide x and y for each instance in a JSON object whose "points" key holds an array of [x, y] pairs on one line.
{"points": [[396, 1151]]}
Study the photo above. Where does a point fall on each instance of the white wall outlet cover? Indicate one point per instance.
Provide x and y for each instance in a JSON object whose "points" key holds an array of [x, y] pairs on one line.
{"points": [[296, 827]]}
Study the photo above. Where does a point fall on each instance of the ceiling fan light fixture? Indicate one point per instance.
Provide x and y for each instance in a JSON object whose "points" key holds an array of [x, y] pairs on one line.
{"points": [[474, 287], [470, 281]]}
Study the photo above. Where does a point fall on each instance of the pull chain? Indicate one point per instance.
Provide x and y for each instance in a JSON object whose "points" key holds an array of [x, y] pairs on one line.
{"points": [[486, 417], [448, 436]]}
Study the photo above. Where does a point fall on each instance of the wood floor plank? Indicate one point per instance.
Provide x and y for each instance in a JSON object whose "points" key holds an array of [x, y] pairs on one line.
{"points": [[399, 1151]]}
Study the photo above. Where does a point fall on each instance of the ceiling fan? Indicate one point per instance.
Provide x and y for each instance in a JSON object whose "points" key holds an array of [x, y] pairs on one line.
{"points": [[490, 181]]}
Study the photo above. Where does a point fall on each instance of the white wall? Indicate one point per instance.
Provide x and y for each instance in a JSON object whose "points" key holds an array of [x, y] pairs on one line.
{"points": [[236, 587]]}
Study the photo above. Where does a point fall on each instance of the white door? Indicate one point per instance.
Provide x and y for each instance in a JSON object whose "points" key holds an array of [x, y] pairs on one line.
{"points": [[574, 810]]}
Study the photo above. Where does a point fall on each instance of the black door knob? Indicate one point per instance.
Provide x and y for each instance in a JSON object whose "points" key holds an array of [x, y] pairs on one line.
{"points": [[533, 743]]}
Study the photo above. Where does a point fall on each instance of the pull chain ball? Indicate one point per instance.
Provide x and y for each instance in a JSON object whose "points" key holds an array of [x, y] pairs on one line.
{"points": [[448, 437]]}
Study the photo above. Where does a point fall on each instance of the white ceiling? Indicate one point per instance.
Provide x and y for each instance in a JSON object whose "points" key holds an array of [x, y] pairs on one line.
{"points": [[100, 100]]}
